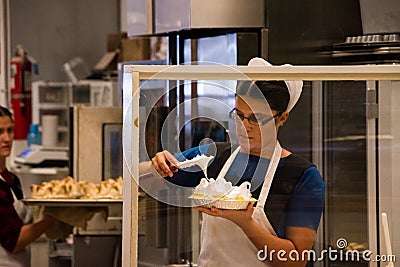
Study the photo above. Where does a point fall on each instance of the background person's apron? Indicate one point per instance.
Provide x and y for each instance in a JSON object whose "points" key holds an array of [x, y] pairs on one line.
{"points": [[223, 243], [22, 258]]}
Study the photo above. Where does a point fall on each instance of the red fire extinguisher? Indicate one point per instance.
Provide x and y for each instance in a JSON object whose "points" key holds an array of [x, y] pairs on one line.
{"points": [[21, 91]]}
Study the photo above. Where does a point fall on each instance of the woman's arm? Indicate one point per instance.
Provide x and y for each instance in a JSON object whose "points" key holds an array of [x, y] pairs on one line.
{"points": [[31, 232], [298, 238]]}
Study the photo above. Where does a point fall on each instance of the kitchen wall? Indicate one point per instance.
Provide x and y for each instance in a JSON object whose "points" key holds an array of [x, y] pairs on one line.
{"points": [[53, 32]]}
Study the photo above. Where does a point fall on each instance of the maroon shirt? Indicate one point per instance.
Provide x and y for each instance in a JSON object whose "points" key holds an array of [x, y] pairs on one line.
{"points": [[10, 223]]}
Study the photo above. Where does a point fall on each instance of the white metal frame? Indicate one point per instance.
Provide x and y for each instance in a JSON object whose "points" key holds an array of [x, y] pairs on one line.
{"points": [[317, 152], [371, 179], [310, 73], [133, 75]]}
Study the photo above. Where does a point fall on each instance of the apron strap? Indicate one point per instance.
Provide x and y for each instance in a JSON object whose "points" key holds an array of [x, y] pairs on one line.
{"points": [[269, 176], [12, 187], [228, 163]]}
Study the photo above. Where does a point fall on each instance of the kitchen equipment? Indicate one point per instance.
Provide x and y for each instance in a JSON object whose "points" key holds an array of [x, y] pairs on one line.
{"points": [[369, 49], [38, 156]]}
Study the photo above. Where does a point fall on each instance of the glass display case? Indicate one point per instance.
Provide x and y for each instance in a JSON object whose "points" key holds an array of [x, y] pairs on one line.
{"points": [[354, 138]]}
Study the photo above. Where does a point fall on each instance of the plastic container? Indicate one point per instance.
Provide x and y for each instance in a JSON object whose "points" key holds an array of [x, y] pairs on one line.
{"points": [[226, 204], [34, 136]]}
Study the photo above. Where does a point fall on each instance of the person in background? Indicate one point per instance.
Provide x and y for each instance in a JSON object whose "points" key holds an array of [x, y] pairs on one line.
{"points": [[16, 228], [290, 192]]}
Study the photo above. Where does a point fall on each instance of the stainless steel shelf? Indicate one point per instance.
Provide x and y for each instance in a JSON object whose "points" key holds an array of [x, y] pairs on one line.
{"points": [[72, 202]]}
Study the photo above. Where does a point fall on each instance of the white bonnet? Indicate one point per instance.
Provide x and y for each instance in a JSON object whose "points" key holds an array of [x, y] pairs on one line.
{"points": [[295, 87]]}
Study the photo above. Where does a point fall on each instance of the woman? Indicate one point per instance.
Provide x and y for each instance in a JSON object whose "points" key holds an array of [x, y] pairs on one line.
{"points": [[16, 231], [290, 192]]}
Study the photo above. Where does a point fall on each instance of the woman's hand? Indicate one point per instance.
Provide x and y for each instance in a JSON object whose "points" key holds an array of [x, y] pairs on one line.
{"points": [[165, 163], [240, 217]]}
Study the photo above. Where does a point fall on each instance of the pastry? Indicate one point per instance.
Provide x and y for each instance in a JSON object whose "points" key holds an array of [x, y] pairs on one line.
{"points": [[68, 188]]}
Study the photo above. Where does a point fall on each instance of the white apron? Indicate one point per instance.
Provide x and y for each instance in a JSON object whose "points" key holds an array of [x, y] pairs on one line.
{"points": [[22, 258], [223, 243]]}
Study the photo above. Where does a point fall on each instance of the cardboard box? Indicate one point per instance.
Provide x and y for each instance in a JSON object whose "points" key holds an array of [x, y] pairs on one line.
{"points": [[137, 48], [120, 48], [114, 41]]}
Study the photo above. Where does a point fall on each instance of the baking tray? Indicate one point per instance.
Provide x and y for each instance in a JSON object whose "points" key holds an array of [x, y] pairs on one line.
{"points": [[67, 202]]}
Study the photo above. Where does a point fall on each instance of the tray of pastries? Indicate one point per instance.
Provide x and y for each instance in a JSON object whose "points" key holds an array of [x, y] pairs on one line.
{"points": [[68, 192]]}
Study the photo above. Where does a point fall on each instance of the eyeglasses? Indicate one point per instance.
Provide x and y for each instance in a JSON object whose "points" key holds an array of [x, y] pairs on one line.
{"points": [[254, 119]]}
